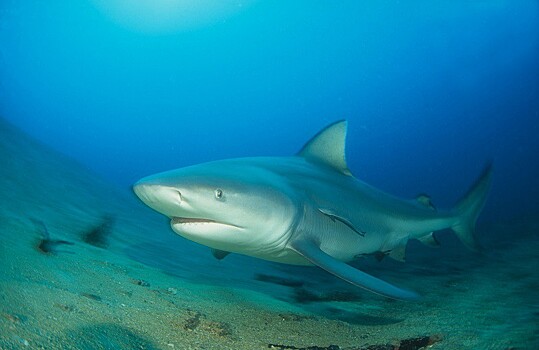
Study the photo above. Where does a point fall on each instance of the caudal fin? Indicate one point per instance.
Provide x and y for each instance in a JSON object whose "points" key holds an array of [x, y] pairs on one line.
{"points": [[469, 207]]}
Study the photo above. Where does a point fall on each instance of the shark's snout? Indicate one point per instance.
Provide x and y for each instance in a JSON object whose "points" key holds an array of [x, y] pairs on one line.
{"points": [[161, 198]]}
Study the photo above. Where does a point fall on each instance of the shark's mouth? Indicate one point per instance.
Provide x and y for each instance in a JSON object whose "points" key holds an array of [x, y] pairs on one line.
{"points": [[200, 221], [178, 220]]}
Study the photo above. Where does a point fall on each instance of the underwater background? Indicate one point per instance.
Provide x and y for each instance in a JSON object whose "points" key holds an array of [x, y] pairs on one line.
{"points": [[95, 94]]}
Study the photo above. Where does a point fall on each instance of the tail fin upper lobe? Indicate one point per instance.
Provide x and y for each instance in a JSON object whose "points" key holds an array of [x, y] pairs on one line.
{"points": [[469, 207]]}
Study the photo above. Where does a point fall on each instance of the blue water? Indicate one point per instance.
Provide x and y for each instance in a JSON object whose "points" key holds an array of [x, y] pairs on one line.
{"points": [[432, 90]]}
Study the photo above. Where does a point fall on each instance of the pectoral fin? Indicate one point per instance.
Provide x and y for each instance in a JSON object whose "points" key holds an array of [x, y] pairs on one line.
{"points": [[311, 251], [219, 254]]}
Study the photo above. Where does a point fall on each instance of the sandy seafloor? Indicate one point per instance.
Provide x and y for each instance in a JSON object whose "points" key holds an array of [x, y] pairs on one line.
{"points": [[150, 289]]}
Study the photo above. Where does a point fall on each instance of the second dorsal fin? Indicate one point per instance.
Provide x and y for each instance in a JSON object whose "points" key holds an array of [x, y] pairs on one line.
{"points": [[424, 199]]}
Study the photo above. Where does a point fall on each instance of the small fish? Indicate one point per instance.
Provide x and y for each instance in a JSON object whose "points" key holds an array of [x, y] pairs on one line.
{"points": [[99, 235], [46, 244]]}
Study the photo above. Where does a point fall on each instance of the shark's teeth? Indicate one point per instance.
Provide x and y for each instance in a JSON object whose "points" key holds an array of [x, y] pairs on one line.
{"points": [[178, 220], [199, 221]]}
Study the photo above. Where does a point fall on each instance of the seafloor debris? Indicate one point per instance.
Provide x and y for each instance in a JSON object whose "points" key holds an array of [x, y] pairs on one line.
{"points": [[172, 290], [141, 283], [14, 317], [99, 235], [282, 347], [418, 343], [92, 296], [46, 244], [198, 321], [295, 317], [192, 322], [64, 307]]}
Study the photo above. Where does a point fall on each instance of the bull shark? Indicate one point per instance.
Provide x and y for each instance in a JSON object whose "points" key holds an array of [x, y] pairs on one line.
{"points": [[306, 209]]}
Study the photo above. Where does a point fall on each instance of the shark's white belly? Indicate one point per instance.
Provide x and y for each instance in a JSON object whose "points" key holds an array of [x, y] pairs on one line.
{"points": [[335, 239]]}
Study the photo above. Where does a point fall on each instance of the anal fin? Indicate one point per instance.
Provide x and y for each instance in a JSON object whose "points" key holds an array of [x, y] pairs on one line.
{"points": [[398, 253], [430, 240]]}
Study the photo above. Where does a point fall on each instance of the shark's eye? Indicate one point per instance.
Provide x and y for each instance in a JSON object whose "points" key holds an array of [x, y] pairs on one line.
{"points": [[218, 193]]}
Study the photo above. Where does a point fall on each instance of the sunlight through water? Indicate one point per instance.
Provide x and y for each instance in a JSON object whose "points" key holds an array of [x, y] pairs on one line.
{"points": [[168, 16]]}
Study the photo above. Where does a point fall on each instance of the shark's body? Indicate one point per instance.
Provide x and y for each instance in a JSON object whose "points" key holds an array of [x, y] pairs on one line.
{"points": [[303, 210]]}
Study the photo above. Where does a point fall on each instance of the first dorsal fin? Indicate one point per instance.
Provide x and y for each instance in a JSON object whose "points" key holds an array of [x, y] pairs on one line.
{"points": [[328, 147]]}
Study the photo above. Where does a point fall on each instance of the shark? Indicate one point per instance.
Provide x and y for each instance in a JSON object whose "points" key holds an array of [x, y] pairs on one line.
{"points": [[305, 209]]}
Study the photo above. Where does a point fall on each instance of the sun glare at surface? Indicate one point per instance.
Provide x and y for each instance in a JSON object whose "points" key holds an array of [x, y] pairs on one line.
{"points": [[165, 16]]}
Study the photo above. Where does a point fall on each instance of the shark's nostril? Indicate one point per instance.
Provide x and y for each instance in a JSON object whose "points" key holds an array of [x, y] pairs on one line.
{"points": [[162, 198]]}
